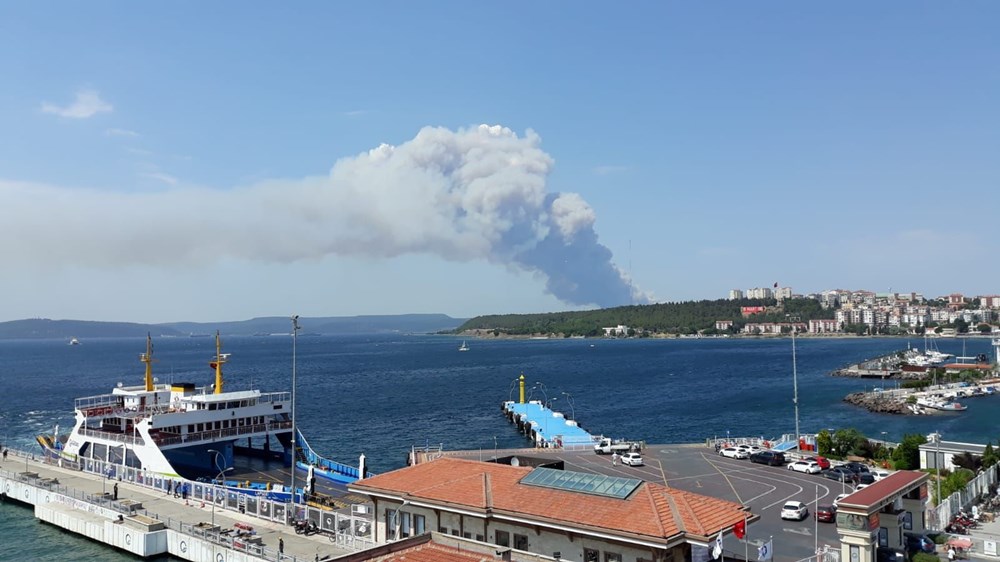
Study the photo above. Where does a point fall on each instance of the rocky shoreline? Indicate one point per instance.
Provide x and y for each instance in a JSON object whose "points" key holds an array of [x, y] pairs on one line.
{"points": [[880, 403]]}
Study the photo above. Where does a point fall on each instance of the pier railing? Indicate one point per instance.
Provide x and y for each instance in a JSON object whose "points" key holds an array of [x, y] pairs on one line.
{"points": [[349, 528]]}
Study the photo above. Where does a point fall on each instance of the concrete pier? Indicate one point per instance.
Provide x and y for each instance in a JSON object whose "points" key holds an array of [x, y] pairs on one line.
{"points": [[148, 522]]}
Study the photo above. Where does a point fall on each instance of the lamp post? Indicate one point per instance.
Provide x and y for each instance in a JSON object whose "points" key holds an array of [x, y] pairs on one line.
{"points": [[495, 449], [569, 400], [295, 337], [395, 522], [217, 478], [936, 439], [795, 379]]}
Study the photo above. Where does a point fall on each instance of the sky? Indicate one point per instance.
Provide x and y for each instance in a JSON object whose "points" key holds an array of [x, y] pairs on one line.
{"points": [[221, 161]]}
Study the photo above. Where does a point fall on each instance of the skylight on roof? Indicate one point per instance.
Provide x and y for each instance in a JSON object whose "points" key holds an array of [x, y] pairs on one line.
{"points": [[597, 484]]}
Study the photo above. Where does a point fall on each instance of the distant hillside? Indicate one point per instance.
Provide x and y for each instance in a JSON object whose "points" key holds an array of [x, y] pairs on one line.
{"points": [[37, 328], [678, 317]]}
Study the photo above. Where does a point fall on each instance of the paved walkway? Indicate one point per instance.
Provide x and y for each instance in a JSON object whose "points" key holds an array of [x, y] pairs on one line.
{"points": [[301, 546]]}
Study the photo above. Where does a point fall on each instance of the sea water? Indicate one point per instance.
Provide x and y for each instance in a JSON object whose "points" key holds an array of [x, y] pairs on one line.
{"points": [[380, 395]]}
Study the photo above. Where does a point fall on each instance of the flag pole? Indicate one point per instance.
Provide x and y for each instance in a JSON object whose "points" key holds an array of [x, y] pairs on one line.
{"points": [[816, 518], [746, 538]]}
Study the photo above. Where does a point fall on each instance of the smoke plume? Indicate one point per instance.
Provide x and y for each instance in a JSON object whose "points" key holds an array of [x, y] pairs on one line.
{"points": [[462, 195]]}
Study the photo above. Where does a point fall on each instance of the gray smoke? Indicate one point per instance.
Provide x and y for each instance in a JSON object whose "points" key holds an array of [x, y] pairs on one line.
{"points": [[461, 195]]}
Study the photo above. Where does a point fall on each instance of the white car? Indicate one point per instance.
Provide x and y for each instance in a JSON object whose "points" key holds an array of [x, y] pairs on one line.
{"points": [[879, 474], [837, 501], [734, 453], [809, 467], [796, 511], [860, 487], [750, 449], [632, 459]]}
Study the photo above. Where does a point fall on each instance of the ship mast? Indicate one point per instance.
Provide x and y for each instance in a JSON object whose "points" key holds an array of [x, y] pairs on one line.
{"points": [[147, 358], [217, 363]]}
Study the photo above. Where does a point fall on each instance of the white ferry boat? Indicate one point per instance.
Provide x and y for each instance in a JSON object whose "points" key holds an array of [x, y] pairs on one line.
{"points": [[184, 430]]}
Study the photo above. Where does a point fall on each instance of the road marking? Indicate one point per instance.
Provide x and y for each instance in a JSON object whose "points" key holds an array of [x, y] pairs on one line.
{"points": [[730, 482], [802, 531]]}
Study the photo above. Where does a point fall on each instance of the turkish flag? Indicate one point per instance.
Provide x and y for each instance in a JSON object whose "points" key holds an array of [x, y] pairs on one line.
{"points": [[740, 529]]}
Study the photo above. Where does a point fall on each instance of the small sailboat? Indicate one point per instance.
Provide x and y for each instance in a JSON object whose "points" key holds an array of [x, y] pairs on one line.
{"points": [[464, 347], [74, 341]]}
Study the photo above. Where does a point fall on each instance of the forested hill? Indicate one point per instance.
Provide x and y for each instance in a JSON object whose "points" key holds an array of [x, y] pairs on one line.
{"points": [[680, 318]]}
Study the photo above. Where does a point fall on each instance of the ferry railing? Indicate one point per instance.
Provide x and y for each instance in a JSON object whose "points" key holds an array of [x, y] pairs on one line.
{"points": [[219, 433], [118, 437]]}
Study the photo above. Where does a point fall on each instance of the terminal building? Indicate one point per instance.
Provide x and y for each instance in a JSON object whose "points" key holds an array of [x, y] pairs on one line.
{"points": [[880, 515], [562, 514]]}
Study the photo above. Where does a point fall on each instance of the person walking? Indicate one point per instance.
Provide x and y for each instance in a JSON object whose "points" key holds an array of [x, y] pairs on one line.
{"points": [[614, 458], [281, 545], [951, 554], [114, 492]]}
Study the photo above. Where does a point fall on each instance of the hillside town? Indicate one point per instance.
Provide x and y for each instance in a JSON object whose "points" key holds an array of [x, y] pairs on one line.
{"points": [[867, 311]]}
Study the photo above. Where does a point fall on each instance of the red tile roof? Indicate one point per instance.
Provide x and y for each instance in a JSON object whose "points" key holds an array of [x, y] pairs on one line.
{"points": [[431, 552], [652, 510], [895, 483]]}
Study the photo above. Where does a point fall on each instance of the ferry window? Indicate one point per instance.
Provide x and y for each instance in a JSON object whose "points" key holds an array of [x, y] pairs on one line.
{"points": [[612, 557], [520, 542], [502, 538], [590, 555], [212, 406], [201, 427], [190, 428], [419, 525]]}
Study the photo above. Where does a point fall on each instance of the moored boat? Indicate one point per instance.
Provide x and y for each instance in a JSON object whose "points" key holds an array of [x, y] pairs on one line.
{"points": [[183, 430]]}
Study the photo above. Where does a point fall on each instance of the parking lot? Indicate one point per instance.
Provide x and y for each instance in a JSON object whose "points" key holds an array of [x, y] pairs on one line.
{"points": [[699, 469]]}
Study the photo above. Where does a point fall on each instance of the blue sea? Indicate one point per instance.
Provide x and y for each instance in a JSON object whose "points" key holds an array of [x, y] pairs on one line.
{"points": [[381, 394]]}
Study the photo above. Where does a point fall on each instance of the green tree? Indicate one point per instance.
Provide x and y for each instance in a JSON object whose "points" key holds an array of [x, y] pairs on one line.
{"points": [[989, 456], [968, 461], [847, 442], [952, 483], [961, 326], [824, 442], [984, 328], [907, 454]]}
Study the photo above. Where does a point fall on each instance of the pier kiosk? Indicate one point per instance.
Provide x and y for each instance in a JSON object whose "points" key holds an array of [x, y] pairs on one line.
{"points": [[880, 514]]}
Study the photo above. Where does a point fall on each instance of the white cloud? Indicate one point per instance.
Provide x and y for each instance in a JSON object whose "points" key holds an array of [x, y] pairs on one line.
{"points": [[87, 104], [121, 133], [466, 195], [138, 151]]}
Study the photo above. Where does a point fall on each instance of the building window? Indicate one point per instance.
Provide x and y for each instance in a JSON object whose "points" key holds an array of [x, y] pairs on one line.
{"points": [[480, 538], [419, 525], [405, 524], [467, 535], [590, 555], [502, 538], [612, 557], [390, 524], [520, 542]]}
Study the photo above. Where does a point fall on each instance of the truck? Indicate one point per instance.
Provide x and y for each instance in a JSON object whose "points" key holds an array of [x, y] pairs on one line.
{"points": [[607, 446]]}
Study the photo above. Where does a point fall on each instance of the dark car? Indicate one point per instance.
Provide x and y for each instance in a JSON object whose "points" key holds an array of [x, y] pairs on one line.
{"points": [[856, 467], [826, 513], [768, 457], [840, 474], [866, 478], [885, 554], [918, 543]]}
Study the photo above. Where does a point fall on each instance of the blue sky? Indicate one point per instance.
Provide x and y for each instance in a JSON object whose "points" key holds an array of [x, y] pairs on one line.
{"points": [[220, 161]]}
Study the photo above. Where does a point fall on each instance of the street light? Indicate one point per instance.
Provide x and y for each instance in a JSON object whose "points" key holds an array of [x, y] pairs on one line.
{"points": [[795, 380], [395, 522], [569, 399], [218, 477], [936, 439], [295, 337]]}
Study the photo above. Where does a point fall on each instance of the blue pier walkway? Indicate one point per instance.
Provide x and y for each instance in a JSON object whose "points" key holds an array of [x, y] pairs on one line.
{"points": [[547, 428]]}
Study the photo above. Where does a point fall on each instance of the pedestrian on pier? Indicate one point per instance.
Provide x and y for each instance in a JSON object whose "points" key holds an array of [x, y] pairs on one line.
{"points": [[114, 492], [281, 545], [614, 458], [5, 454]]}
